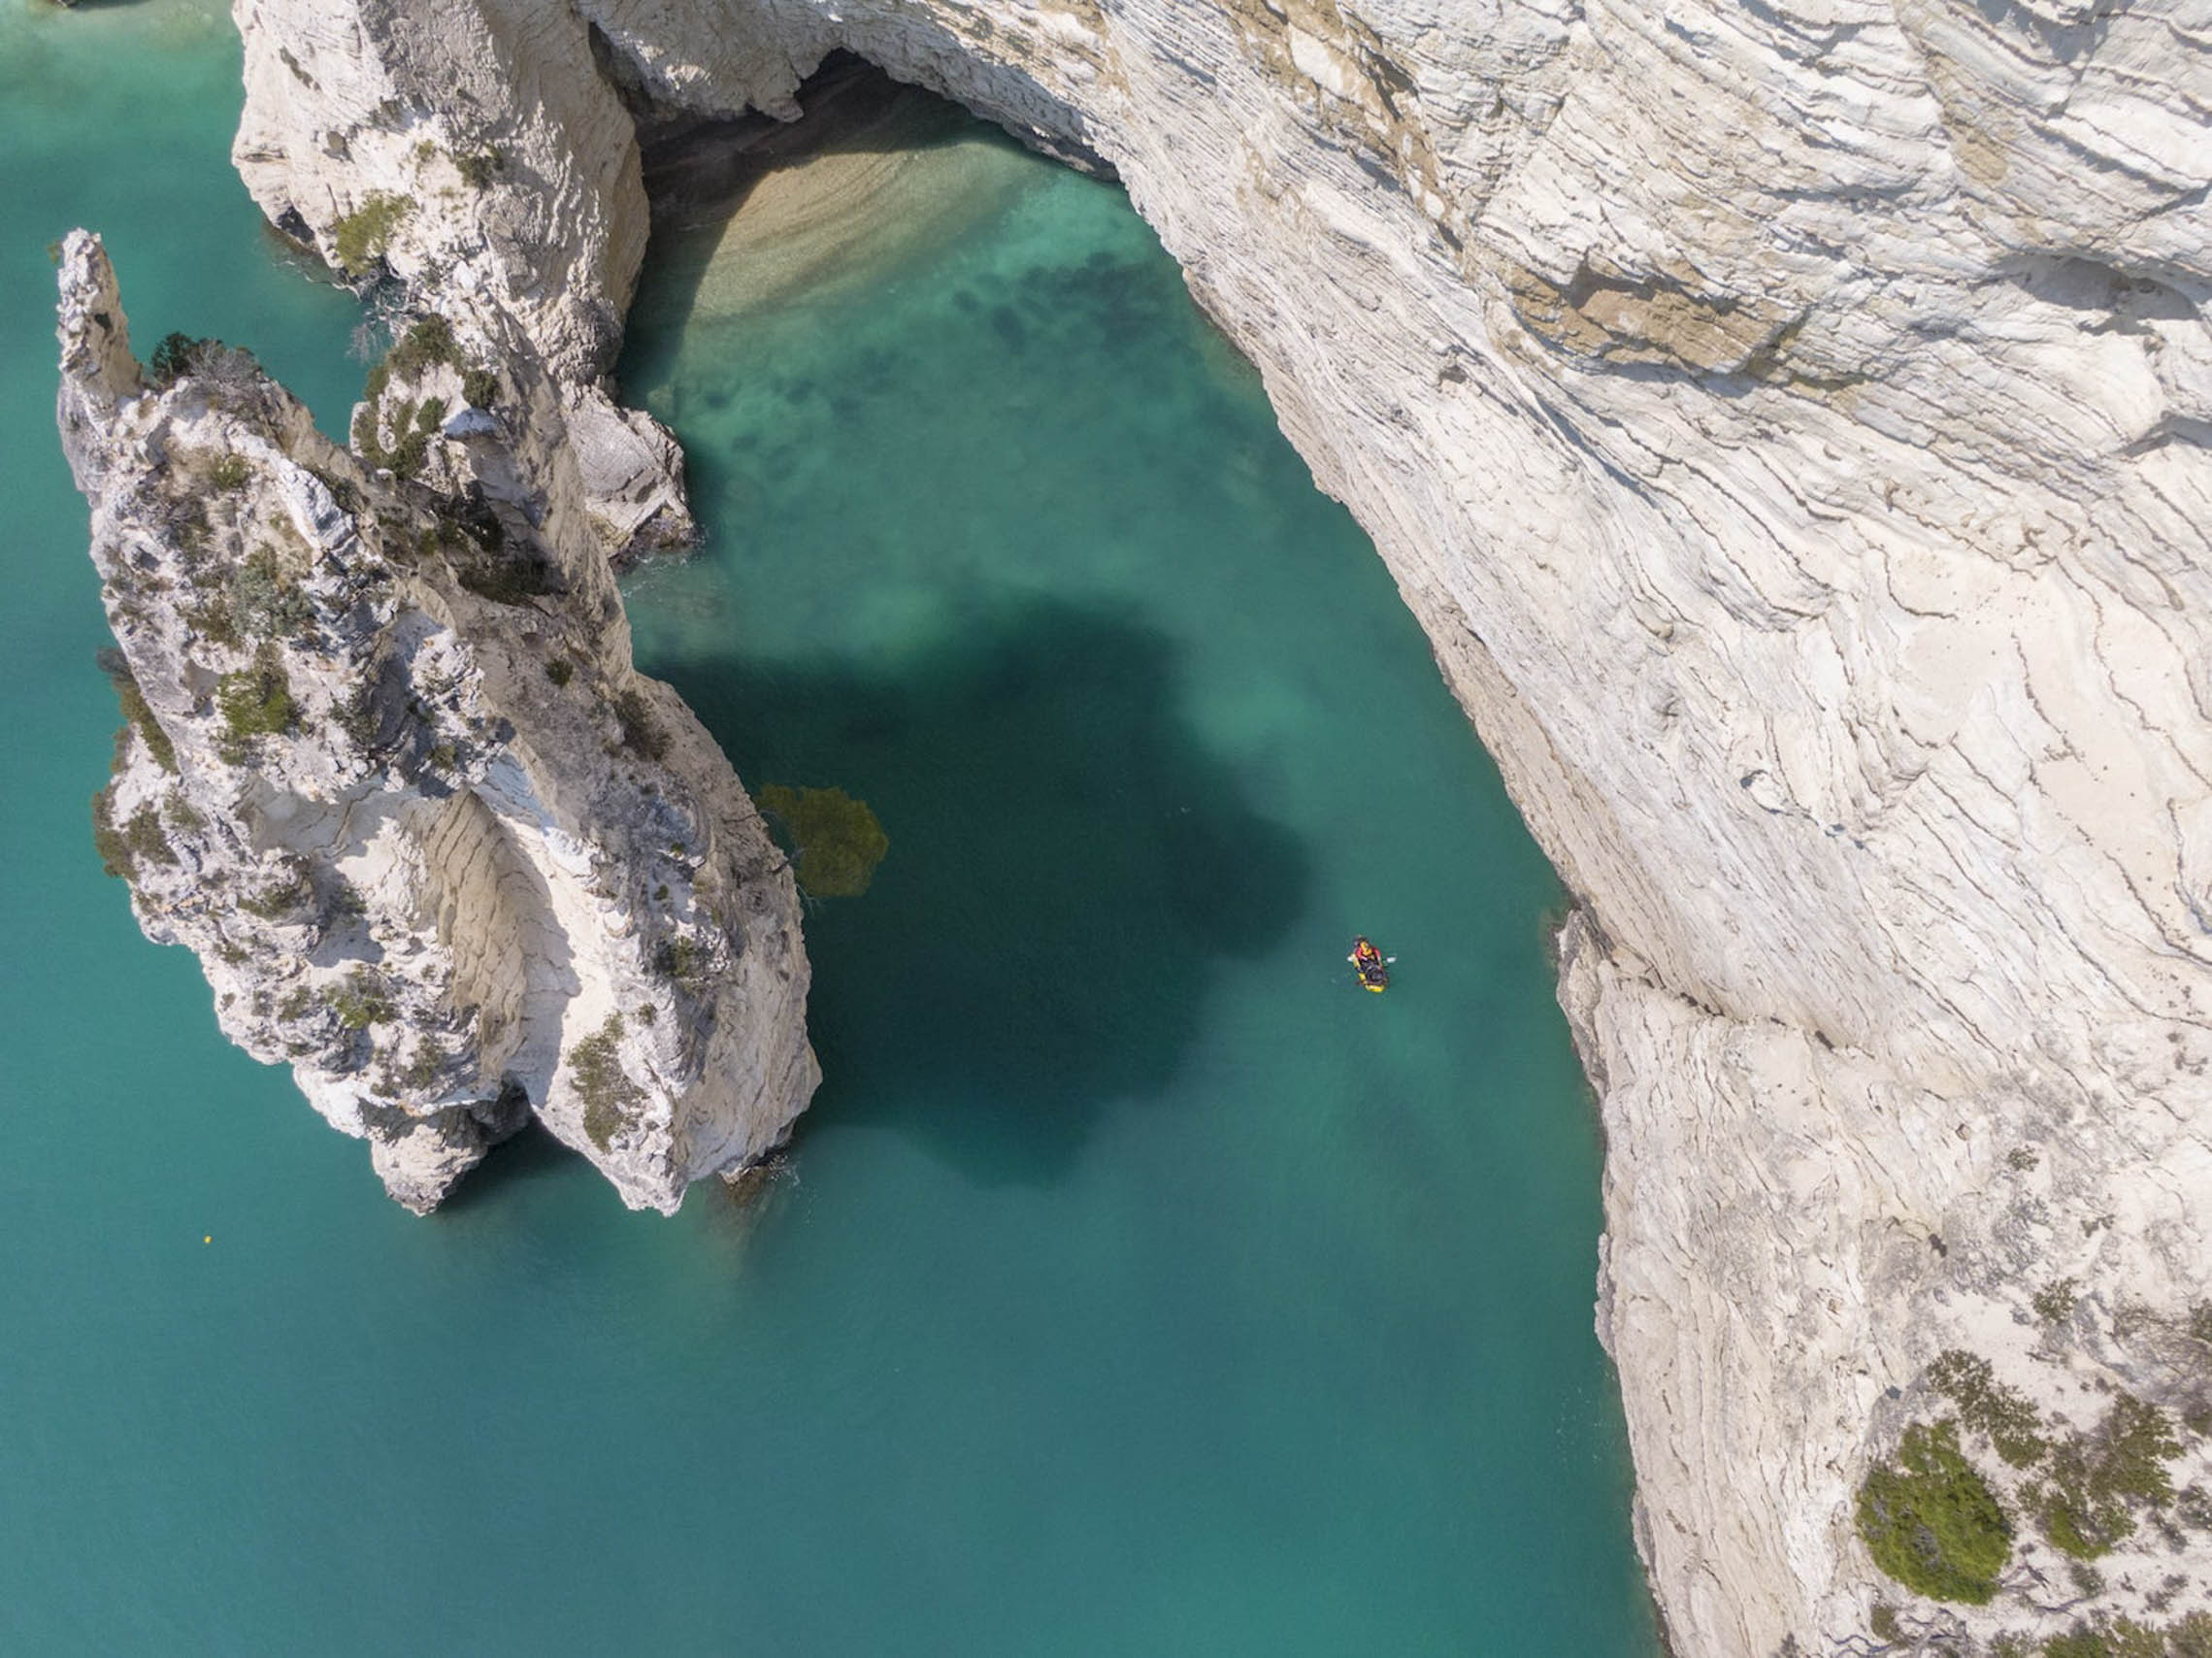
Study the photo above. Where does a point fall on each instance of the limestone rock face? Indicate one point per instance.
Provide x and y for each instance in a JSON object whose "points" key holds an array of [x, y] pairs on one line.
{"points": [[388, 772], [475, 151], [1789, 423]]}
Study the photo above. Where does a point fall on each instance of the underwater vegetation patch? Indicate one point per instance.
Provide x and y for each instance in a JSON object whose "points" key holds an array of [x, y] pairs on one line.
{"points": [[835, 841]]}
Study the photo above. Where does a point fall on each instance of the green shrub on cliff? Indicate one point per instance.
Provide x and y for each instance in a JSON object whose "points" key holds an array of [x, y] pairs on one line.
{"points": [[480, 168], [2056, 1301], [682, 962], [136, 714], [610, 1098], [429, 340], [172, 359], [255, 702], [360, 238], [139, 840], [2085, 1502], [642, 733], [480, 386], [224, 371], [266, 600], [2103, 1637], [360, 1001], [2001, 1414], [1931, 1522], [404, 456]]}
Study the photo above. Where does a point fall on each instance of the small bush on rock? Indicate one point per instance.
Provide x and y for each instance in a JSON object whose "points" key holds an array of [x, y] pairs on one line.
{"points": [[835, 840], [2001, 1414], [2056, 1301], [256, 702], [1931, 1522], [682, 962], [139, 840], [610, 1098], [642, 734], [360, 1001], [225, 369], [427, 340], [360, 238], [479, 168], [172, 359], [2085, 1502], [266, 601], [136, 714]]}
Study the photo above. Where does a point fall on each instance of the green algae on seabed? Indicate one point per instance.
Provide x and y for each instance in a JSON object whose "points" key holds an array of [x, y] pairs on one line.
{"points": [[1174, 1297], [835, 840]]}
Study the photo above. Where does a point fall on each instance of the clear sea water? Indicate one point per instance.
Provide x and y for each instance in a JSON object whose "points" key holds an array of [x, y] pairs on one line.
{"points": [[1139, 1285]]}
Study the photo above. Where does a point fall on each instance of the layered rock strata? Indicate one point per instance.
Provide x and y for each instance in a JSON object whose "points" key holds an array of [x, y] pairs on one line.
{"points": [[1789, 423], [388, 772]]}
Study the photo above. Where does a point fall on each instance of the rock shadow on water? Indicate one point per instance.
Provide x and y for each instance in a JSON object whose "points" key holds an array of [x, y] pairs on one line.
{"points": [[1067, 864], [528, 1157]]}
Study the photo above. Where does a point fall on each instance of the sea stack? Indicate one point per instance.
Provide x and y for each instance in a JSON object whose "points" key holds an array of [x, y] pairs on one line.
{"points": [[387, 771]]}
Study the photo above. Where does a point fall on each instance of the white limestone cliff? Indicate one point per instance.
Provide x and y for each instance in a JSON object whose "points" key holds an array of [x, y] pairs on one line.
{"points": [[388, 772], [1789, 423]]}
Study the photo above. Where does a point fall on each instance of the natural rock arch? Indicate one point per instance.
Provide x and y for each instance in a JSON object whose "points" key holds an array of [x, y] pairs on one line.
{"points": [[1789, 430]]}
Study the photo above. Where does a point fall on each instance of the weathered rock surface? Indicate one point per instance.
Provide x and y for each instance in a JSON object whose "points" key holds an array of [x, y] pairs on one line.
{"points": [[1790, 423], [389, 774]]}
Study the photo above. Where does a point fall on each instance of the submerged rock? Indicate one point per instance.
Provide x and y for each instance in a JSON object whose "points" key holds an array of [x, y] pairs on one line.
{"points": [[389, 774]]}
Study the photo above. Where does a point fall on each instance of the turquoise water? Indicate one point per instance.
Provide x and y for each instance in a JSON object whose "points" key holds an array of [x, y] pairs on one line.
{"points": [[1139, 1285]]}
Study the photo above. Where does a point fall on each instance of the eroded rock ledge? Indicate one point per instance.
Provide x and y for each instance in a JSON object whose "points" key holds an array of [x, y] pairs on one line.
{"points": [[388, 772], [1789, 423]]}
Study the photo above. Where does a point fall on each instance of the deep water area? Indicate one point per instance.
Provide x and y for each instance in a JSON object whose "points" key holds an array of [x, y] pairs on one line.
{"points": [[1137, 1284]]}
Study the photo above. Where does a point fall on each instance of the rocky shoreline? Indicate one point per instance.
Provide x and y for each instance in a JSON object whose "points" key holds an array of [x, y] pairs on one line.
{"points": [[1790, 427]]}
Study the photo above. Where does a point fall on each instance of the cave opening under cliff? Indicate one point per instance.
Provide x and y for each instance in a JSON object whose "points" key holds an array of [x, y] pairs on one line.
{"points": [[858, 183]]}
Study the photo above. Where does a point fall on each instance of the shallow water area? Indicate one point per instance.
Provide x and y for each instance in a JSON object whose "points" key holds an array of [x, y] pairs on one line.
{"points": [[1136, 1283], [877, 180]]}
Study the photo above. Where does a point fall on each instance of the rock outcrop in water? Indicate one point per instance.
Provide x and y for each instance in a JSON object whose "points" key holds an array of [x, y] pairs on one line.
{"points": [[1790, 424], [388, 772]]}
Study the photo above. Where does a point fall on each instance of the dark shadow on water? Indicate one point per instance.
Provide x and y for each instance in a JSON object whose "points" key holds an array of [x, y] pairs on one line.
{"points": [[1067, 864], [524, 1158]]}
